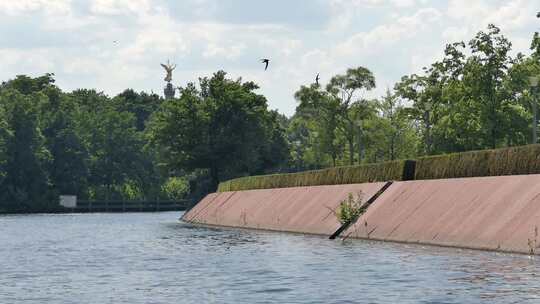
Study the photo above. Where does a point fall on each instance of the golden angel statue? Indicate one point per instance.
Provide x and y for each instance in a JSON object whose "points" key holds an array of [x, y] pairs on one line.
{"points": [[169, 68]]}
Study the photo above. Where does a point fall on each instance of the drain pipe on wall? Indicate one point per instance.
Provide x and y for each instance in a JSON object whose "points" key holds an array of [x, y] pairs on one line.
{"points": [[363, 209]]}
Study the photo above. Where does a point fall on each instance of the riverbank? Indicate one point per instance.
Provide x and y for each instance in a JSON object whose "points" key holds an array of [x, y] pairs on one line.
{"points": [[500, 213], [113, 206]]}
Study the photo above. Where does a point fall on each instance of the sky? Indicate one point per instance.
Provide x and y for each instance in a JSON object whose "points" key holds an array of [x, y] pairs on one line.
{"points": [[112, 45]]}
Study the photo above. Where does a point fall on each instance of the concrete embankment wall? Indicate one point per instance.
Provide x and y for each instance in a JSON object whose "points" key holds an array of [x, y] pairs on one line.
{"points": [[494, 213], [299, 209]]}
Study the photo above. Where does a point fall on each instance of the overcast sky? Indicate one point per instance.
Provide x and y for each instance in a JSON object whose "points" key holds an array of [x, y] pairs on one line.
{"points": [[75, 39]]}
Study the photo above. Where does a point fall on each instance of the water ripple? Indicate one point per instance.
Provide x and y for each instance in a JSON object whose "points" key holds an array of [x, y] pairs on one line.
{"points": [[154, 258]]}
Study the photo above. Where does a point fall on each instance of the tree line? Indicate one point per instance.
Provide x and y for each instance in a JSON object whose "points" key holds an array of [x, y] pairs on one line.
{"points": [[140, 146], [478, 96], [80, 143]]}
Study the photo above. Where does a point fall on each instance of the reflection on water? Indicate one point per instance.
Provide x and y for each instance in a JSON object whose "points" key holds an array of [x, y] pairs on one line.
{"points": [[154, 258]]}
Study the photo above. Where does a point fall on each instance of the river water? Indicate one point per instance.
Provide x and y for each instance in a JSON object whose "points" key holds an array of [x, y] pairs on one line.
{"points": [[155, 258]]}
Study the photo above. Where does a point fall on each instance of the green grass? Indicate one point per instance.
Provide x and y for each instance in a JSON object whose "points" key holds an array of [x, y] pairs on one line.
{"points": [[508, 161], [395, 170]]}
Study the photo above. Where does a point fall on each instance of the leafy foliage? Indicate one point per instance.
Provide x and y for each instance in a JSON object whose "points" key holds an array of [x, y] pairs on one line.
{"points": [[468, 102], [396, 170], [507, 161], [350, 209], [224, 127], [176, 188], [136, 145], [82, 143], [26, 182]]}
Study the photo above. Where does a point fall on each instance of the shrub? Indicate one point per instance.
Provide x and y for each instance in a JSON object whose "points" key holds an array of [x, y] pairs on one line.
{"points": [[395, 170], [507, 161], [175, 188], [350, 209]]}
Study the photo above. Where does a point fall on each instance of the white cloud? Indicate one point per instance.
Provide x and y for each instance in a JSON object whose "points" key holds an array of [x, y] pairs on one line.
{"points": [[228, 52], [372, 3], [386, 35], [407, 3], [20, 7], [27, 61], [390, 37], [118, 7], [455, 33], [157, 40], [283, 46], [509, 15]]}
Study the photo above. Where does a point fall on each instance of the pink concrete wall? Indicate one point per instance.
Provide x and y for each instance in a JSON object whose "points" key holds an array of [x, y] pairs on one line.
{"points": [[301, 209], [496, 213]]}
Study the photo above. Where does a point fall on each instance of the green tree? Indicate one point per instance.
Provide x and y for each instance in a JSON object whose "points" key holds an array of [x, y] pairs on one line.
{"points": [[223, 127], [303, 138], [142, 105], [118, 164], [484, 73], [28, 85], [176, 188], [468, 102], [396, 132], [6, 135], [519, 87], [25, 186], [68, 168], [117, 152], [353, 109], [323, 112]]}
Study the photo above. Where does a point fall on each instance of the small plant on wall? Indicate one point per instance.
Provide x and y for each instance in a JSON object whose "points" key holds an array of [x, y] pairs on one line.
{"points": [[350, 208]]}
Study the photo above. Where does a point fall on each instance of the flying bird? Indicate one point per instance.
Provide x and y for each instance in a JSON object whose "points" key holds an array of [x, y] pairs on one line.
{"points": [[317, 79], [266, 61], [538, 15]]}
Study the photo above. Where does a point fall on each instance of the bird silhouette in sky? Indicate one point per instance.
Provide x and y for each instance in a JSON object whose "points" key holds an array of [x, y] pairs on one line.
{"points": [[317, 79], [266, 61]]}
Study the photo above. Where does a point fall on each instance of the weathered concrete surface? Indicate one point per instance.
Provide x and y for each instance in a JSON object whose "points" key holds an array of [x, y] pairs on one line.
{"points": [[301, 209], [495, 213]]}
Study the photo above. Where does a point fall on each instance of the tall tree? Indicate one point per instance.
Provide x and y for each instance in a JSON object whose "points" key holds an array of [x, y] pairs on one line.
{"points": [[117, 153], [142, 105], [223, 127], [465, 102], [68, 168], [26, 183], [6, 135], [345, 90], [398, 131], [317, 106], [484, 73]]}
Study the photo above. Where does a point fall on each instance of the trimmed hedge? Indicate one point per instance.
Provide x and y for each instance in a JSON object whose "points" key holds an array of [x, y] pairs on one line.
{"points": [[395, 170], [508, 161]]}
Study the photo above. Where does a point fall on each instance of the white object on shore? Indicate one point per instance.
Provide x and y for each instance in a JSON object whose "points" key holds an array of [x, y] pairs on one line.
{"points": [[68, 201]]}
